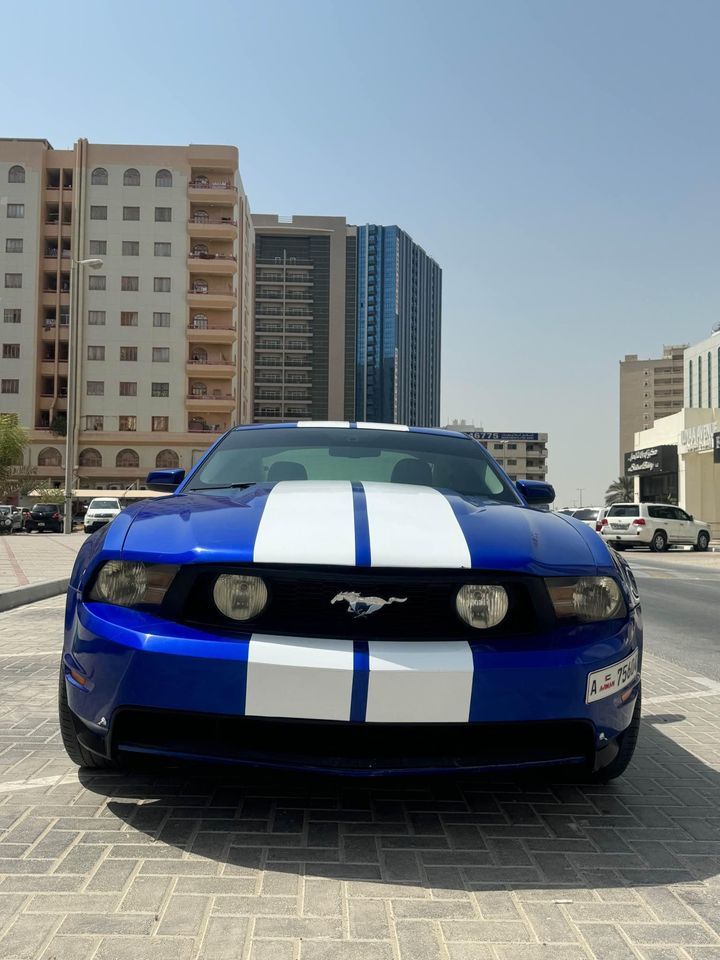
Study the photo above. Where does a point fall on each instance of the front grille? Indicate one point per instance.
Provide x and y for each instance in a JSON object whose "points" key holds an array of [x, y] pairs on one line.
{"points": [[300, 603], [351, 746]]}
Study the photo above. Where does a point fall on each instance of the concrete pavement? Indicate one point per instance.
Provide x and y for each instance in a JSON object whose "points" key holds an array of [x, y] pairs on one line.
{"points": [[269, 867], [27, 558]]}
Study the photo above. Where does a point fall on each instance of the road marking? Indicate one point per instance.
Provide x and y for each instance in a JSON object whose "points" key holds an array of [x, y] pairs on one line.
{"points": [[713, 690], [15, 786]]}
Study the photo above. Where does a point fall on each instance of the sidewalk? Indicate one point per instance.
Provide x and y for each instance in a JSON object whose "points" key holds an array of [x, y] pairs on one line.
{"points": [[32, 558]]}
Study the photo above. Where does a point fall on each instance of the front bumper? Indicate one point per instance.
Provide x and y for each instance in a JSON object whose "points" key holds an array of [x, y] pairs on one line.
{"points": [[155, 687]]}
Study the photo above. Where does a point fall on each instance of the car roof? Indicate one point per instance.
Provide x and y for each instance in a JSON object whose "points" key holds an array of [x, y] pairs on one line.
{"points": [[354, 425]]}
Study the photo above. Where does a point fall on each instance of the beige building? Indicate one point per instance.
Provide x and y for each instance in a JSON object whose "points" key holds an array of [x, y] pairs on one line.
{"points": [[164, 342], [649, 389], [702, 372], [304, 318], [523, 456]]}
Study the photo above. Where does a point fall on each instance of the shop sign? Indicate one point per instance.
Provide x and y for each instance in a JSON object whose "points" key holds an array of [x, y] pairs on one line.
{"points": [[697, 439], [650, 460]]}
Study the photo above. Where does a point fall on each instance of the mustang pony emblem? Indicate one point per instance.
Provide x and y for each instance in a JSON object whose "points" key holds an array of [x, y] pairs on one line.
{"points": [[361, 606]]}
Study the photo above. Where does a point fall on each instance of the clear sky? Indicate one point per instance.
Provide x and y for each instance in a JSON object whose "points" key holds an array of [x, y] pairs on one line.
{"points": [[560, 159]]}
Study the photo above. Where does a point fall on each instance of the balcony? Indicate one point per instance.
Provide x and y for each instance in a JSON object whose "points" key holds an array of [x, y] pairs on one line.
{"points": [[212, 263], [213, 400], [211, 334], [210, 228], [206, 297], [197, 366], [198, 424], [208, 189]]}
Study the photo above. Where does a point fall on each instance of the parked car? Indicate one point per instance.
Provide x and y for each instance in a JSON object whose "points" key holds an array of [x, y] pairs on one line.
{"points": [[363, 599], [100, 511], [587, 515], [45, 518], [10, 518], [655, 525]]}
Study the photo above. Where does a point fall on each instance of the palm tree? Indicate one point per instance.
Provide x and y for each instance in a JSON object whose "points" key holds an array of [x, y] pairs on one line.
{"points": [[620, 491]]}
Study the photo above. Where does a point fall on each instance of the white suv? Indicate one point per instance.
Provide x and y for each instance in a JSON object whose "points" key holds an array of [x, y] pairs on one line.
{"points": [[101, 511], [654, 525]]}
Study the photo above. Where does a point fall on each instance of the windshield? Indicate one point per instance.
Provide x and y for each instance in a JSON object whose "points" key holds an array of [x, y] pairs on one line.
{"points": [[44, 508], [587, 513], [103, 505], [326, 453], [624, 510]]}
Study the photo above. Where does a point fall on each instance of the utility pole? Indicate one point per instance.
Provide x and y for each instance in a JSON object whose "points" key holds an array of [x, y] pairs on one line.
{"points": [[580, 491]]}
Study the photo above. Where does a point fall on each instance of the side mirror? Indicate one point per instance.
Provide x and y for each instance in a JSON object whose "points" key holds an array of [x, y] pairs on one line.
{"points": [[691, 516], [165, 481], [535, 492]]}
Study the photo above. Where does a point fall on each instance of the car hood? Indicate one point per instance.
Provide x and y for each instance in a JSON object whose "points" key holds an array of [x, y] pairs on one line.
{"points": [[361, 524]]}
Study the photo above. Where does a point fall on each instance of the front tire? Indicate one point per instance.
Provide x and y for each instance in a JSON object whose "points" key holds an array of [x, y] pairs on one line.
{"points": [[659, 541], [628, 741], [703, 542], [74, 749]]}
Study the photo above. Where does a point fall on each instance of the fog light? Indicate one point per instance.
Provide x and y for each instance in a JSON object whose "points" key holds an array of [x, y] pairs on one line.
{"points": [[482, 605], [239, 597]]}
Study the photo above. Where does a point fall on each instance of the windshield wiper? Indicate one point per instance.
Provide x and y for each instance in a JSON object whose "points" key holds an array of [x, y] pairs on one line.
{"points": [[223, 486]]}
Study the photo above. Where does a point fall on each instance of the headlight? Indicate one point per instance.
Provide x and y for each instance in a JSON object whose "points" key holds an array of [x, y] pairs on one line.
{"points": [[130, 583], [482, 605], [239, 597], [586, 598]]}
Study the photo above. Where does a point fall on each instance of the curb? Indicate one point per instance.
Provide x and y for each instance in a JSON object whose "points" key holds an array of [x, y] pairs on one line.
{"points": [[32, 593]]}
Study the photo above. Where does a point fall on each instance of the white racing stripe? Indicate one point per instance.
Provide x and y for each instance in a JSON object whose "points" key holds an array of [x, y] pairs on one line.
{"points": [[412, 526], [307, 521], [363, 425], [301, 678], [417, 682], [324, 423]]}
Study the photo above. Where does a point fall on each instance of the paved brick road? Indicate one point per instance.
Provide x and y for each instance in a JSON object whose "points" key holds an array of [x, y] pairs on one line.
{"points": [[31, 557], [289, 868]]}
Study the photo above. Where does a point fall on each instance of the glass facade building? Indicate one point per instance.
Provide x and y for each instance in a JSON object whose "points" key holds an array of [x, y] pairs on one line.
{"points": [[397, 365]]}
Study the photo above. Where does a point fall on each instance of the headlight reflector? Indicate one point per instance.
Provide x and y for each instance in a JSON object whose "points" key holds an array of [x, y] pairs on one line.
{"points": [[586, 598], [482, 605], [239, 597], [128, 583]]}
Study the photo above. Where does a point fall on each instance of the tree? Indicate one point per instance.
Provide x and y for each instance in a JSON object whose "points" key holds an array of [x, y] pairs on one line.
{"points": [[45, 494], [621, 490], [16, 478], [59, 425]]}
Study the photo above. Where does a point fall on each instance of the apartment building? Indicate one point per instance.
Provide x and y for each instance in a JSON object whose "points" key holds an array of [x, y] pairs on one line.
{"points": [[164, 338], [304, 318], [701, 364], [649, 389], [399, 294], [523, 456]]}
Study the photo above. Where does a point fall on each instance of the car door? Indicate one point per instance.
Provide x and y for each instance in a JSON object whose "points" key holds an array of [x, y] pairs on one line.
{"points": [[684, 526]]}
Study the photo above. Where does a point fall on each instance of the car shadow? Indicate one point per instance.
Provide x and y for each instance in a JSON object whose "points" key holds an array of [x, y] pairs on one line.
{"points": [[653, 826]]}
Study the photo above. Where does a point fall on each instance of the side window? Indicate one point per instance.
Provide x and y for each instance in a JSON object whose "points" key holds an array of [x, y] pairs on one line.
{"points": [[657, 513], [680, 514]]}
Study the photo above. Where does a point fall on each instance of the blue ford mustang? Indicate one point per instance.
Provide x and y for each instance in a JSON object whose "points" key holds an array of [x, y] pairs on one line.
{"points": [[359, 598]]}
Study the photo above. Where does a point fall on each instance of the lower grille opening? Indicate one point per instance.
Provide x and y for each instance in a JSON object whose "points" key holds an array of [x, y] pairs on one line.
{"points": [[352, 746]]}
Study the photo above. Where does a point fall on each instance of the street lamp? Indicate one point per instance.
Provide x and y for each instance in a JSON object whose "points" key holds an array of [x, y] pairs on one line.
{"points": [[73, 340]]}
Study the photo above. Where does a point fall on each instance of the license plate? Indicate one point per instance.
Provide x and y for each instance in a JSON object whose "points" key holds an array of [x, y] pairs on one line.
{"points": [[41, 526], [619, 526], [612, 679]]}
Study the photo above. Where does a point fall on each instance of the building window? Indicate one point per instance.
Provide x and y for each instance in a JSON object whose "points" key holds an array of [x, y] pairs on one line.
{"points": [[94, 422], [99, 177], [12, 315], [199, 286], [160, 424], [128, 388], [127, 458], [130, 284], [96, 318], [512, 463], [16, 174], [163, 178], [95, 282], [163, 214], [96, 353], [97, 248], [15, 211], [11, 351], [690, 383], [128, 318], [96, 388], [163, 249], [709, 379], [128, 353], [161, 354], [127, 424], [699, 375], [161, 319], [90, 457], [49, 457], [131, 178], [10, 386], [161, 390], [98, 213], [161, 284], [130, 248], [131, 213], [13, 280], [167, 460], [199, 389], [13, 245]]}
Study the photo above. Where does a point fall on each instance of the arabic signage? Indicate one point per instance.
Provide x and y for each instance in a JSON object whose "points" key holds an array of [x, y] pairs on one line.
{"points": [[697, 439], [652, 460], [484, 435], [716, 448]]}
